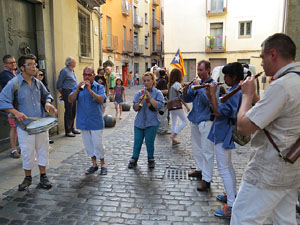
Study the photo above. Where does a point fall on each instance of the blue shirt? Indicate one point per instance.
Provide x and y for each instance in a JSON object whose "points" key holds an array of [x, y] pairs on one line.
{"points": [[89, 111], [221, 130], [66, 79], [28, 98], [145, 117], [201, 106]]}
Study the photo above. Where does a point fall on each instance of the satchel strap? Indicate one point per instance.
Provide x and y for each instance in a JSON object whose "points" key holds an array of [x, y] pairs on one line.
{"points": [[273, 143]]}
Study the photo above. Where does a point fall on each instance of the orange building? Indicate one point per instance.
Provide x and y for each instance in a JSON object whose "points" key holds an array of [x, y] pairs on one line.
{"points": [[117, 36]]}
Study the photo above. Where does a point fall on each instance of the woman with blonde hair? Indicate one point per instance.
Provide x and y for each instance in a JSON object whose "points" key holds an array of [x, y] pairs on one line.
{"points": [[174, 95], [146, 103]]}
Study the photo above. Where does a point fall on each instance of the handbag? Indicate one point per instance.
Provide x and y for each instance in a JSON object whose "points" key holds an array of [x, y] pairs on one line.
{"points": [[238, 138], [174, 104]]}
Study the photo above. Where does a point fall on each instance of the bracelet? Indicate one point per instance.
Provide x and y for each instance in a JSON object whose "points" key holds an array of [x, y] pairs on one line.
{"points": [[48, 101]]}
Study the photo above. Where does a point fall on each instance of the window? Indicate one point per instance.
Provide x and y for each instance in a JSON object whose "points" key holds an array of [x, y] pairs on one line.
{"points": [[146, 42], [124, 38], [245, 29], [84, 33], [216, 36], [108, 37], [217, 5], [153, 41], [146, 18]]}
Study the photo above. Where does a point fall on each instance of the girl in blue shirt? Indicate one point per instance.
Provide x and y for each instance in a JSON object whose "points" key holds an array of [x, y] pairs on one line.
{"points": [[221, 133], [146, 102]]}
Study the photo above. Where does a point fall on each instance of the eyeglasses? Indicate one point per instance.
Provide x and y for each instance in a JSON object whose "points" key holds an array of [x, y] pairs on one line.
{"points": [[41, 75], [11, 62], [88, 74], [30, 64]]}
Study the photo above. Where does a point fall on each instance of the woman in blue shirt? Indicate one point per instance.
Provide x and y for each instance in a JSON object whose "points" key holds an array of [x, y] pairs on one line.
{"points": [[221, 133], [146, 102]]}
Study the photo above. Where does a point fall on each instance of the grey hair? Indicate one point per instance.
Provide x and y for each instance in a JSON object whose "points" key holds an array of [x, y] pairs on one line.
{"points": [[68, 60], [89, 67]]}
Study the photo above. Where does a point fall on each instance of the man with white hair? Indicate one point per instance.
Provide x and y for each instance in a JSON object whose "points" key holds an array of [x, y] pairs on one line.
{"points": [[66, 82], [111, 78]]}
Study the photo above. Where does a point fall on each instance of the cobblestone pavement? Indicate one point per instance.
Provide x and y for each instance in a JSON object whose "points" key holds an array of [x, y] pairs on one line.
{"points": [[164, 195]]}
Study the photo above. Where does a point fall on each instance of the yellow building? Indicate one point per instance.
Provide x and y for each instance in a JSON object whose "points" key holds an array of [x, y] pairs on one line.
{"points": [[117, 31]]}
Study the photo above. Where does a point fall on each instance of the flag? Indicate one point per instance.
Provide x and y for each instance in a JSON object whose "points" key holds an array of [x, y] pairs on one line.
{"points": [[178, 62]]}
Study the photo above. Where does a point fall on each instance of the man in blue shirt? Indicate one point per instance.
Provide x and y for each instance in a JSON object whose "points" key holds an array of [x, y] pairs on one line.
{"points": [[9, 72], [90, 118], [201, 121], [66, 82], [24, 103]]}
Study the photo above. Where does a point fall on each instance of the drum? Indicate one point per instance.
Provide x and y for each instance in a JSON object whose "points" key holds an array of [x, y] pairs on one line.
{"points": [[42, 125]]}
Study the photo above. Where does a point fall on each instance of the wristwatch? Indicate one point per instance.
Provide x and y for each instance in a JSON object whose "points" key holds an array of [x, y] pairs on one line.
{"points": [[49, 101]]}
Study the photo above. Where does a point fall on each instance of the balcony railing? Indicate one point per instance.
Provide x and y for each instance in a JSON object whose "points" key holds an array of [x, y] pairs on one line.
{"points": [[127, 46], [125, 8], [155, 2], [156, 49], [155, 24], [138, 49], [219, 8], [138, 21], [215, 44], [110, 42]]}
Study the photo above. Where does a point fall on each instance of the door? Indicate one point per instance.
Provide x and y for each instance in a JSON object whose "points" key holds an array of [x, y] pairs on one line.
{"points": [[217, 62], [108, 36], [18, 37], [190, 68]]}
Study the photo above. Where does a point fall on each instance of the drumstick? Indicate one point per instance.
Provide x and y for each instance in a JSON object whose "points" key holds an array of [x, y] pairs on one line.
{"points": [[234, 91]]}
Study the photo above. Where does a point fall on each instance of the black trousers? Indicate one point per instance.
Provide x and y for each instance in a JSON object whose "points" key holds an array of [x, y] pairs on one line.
{"points": [[70, 111]]}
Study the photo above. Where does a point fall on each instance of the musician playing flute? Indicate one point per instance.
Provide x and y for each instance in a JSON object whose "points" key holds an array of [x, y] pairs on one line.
{"points": [[221, 133], [270, 185], [146, 103], [201, 118], [26, 101]]}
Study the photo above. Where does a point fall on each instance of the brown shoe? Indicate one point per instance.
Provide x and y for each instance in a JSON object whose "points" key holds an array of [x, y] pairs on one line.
{"points": [[203, 186], [196, 173]]}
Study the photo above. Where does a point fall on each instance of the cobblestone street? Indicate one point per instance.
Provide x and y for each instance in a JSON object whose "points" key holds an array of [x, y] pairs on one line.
{"points": [[164, 195]]}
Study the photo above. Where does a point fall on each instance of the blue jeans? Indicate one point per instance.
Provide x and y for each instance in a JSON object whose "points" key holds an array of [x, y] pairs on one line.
{"points": [[149, 134]]}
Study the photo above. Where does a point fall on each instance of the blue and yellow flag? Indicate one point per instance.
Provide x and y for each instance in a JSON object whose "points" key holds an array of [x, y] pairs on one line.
{"points": [[178, 62]]}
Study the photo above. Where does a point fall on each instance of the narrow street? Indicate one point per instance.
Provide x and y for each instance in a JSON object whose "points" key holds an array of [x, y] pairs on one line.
{"points": [[164, 195]]}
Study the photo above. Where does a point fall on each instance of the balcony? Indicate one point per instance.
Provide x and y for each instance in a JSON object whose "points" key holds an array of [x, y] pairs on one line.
{"points": [[155, 24], [110, 42], [125, 8], [138, 21], [216, 7], [215, 44], [138, 49], [156, 49], [127, 46], [155, 3]]}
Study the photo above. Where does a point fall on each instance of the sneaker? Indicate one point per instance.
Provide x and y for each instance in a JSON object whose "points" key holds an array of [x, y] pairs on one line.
{"points": [[196, 173], [25, 184], [151, 163], [44, 182], [132, 163], [225, 212], [103, 171], [15, 154], [203, 186], [91, 170], [222, 198]]}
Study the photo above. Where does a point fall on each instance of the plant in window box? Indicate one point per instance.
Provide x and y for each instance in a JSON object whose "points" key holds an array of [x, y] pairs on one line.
{"points": [[211, 42]]}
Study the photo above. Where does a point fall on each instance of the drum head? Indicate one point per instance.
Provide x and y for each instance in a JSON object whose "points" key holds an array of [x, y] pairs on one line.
{"points": [[44, 122]]}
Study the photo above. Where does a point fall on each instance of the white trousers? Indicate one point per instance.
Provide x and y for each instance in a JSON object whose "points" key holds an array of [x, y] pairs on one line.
{"points": [[34, 146], [174, 117], [203, 149], [92, 141], [226, 172], [253, 205]]}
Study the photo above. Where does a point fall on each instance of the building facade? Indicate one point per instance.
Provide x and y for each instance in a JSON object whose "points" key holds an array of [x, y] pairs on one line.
{"points": [[221, 31]]}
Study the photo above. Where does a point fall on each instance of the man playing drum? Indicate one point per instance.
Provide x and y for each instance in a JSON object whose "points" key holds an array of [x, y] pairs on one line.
{"points": [[26, 102], [90, 118]]}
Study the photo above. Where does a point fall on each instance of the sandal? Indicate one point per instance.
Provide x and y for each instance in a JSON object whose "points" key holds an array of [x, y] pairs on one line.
{"points": [[103, 171], [174, 142]]}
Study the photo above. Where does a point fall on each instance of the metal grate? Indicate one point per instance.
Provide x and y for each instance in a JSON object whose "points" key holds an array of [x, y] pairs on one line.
{"points": [[176, 174]]}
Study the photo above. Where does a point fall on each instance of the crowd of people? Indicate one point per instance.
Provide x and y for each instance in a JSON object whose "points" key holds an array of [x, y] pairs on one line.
{"points": [[270, 184]]}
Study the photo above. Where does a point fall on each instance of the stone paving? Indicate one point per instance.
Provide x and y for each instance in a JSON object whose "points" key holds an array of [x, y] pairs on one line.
{"points": [[164, 195]]}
